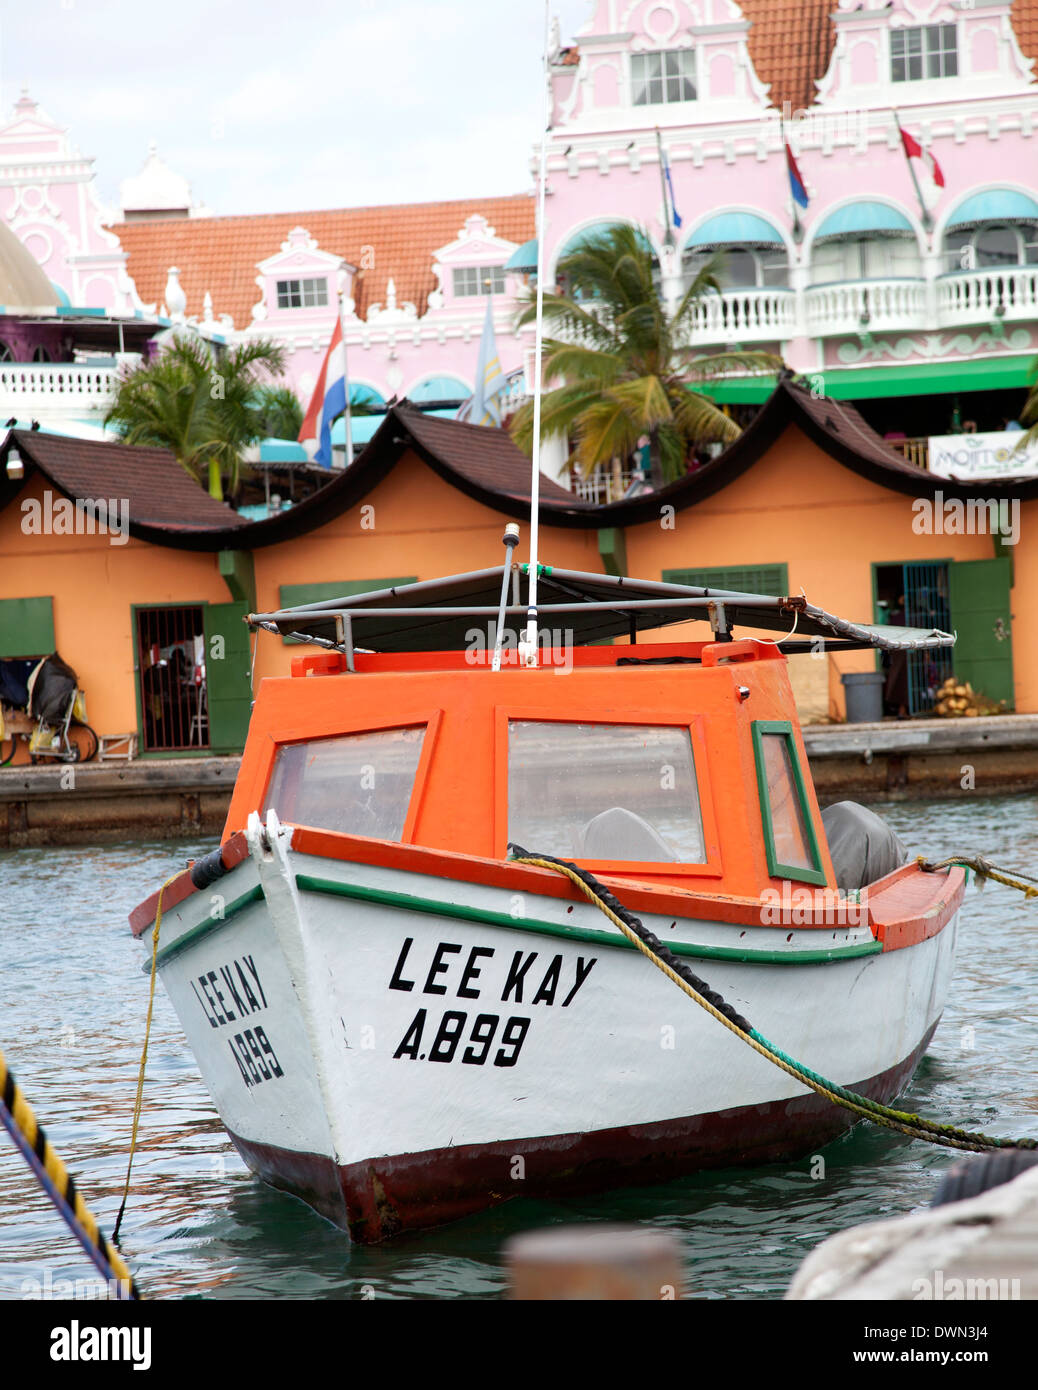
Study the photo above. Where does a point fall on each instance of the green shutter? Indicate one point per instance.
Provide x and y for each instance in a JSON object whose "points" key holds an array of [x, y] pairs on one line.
{"points": [[744, 579], [26, 627], [295, 595], [227, 668], [978, 592]]}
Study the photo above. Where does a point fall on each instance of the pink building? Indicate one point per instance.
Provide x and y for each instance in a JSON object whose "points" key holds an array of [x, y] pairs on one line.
{"points": [[921, 305]]}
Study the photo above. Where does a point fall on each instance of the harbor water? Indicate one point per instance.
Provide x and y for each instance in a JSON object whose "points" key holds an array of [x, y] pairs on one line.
{"points": [[73, 1001]]}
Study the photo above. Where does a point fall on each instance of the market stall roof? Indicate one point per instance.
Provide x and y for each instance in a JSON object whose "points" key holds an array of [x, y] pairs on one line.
{"points": [[438, 614]]}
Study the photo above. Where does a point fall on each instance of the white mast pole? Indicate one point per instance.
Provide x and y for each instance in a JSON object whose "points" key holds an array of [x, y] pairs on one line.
{"points": [[535, 483]]}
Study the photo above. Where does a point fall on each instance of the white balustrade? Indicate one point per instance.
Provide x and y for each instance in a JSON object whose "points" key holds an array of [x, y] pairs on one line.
{"points": [[858, 306], [1009, 293], [55, 382], [741, 316]]}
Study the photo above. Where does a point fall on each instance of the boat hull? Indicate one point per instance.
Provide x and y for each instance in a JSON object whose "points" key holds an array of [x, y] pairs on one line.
{"points": [[400, 1050], [379, 1198]]}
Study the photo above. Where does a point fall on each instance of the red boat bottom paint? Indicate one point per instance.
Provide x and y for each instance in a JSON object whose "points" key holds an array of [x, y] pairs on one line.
{"points": [[385, 1197]]}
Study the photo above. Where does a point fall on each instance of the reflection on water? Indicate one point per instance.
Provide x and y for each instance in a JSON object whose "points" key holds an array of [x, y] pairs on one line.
{"points": [[72, 1008]]}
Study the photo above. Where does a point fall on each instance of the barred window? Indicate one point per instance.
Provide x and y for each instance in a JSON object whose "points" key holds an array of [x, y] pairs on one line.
{"points": [[302, 294], [662, 78], [927, 50]]}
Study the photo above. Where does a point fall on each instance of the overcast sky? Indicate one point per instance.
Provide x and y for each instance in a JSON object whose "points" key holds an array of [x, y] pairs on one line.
{"points": [[277, 105]]}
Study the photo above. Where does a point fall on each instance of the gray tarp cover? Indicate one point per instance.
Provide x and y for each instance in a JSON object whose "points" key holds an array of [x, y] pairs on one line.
{"points": [[440, 614], [862, 845]]}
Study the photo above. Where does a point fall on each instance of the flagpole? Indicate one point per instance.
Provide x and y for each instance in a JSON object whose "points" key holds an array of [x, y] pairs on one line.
{"points": [[530, 641], [668, 235], [798, 230], [346, 378], [927, 219]]}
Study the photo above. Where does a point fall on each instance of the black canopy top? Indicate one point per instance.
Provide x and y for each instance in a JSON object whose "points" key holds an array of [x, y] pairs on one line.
{"points": [[442, 614]]}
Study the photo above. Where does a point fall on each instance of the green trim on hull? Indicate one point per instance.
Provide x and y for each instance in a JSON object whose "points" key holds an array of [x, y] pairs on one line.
{"points": [[211, 924], [410, 903]]}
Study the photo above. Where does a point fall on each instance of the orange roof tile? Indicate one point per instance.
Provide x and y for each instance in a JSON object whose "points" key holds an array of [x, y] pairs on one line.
{"points": [[1025, 26], [220, 254], [791, 42]]}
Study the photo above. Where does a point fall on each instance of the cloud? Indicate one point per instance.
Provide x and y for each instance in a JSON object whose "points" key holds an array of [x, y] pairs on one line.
{"points": [[318, 105]]}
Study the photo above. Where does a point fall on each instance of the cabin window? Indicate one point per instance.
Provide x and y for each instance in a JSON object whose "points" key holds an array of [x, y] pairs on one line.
{"points": [[359, 784], [789, 836], [604, 792]]}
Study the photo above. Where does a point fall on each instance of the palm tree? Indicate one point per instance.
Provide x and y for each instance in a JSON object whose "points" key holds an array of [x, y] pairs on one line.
{"points": [[199, 403], [280, 412], [623, 361]]}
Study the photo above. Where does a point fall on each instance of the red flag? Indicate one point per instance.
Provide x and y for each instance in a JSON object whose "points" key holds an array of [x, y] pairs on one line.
{"points": [[914, 150]]}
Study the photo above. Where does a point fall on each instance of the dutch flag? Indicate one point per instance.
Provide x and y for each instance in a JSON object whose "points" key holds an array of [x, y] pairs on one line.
{"points": [[327, 402]]}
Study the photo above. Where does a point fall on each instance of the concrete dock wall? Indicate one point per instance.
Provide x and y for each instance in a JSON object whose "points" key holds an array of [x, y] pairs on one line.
{"points": [[188, 797]]}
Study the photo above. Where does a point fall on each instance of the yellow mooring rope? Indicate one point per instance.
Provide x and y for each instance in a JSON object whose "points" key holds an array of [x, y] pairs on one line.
{"points": [[905, 1123], [139, 1100], [31, 1141], [984, 868]]}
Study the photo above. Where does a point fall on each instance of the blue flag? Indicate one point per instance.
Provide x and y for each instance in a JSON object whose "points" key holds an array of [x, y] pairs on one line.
{"points": [[483, 407], [675, 215]]}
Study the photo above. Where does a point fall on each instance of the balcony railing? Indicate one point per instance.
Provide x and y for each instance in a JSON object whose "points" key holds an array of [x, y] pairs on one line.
{"points": [[859, 306], [743, 316], [605, 484], [57, 383], [980, 296], [916, 451]]}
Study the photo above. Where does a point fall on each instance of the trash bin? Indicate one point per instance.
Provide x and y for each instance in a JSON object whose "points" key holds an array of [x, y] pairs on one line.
{"points": [[863, 692]]}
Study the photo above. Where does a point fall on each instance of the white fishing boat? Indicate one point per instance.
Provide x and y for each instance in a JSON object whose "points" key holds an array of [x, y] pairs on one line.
{"points": [[401, 1024]]}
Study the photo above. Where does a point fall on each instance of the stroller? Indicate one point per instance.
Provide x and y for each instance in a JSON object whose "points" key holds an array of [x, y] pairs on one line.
{"points": [[40, 700]]}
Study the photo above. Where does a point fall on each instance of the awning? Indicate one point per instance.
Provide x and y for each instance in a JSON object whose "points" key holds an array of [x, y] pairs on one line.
{"points": [[437, 614], [525, 259], [589, 234], [873, 383], [281, 451], [864, 219], [439, 388], [995, 205], [734, 229]]}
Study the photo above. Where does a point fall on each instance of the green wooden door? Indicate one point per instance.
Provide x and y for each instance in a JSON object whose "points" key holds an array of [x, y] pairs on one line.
{"points": [[983, 653], [227, 663]]}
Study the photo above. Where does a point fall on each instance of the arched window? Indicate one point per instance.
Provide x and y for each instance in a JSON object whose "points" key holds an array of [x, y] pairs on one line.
{"points": [[865, 241], [6, 355], [747, 250], [995, 228], [40, 354]]}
